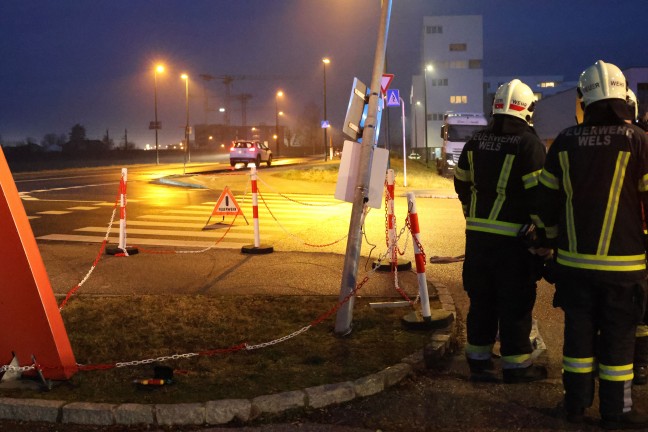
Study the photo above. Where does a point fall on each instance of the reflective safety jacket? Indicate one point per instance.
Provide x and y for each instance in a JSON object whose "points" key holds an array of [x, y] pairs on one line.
{"points": [[592, 186], [497, 177]]}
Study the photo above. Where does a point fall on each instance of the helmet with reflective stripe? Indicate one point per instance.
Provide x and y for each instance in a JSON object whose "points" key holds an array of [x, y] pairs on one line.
{"points": [[602, 81], [516, 99], [631, 100]]}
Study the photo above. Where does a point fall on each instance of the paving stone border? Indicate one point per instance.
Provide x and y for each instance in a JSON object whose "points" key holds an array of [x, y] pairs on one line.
{"points": [[221, 412]]}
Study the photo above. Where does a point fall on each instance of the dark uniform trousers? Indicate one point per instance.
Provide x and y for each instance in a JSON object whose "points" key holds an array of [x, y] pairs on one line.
{"points": [[499, 277], [600, 321]]}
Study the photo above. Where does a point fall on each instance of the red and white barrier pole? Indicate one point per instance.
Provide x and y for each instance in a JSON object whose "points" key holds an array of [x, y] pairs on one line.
{"points": [[257, 248], [392, 247], [419, 258], [122, 249]]}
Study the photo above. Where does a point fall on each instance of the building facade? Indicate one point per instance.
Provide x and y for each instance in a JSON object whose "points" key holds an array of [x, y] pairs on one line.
{"points": [[451, 77]]}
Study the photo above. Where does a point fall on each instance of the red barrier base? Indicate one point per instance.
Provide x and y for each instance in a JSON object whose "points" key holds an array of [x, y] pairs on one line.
{"points": [[261, 250], [114, 250], [401, 265], [438, 318]]}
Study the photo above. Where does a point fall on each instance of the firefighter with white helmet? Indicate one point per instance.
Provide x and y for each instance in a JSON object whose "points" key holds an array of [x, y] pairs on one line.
{"points": [[592, 188], [496, 180]]}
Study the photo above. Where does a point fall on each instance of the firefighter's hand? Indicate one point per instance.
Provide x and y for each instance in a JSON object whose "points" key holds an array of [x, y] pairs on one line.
{"points": [[545, 253]]}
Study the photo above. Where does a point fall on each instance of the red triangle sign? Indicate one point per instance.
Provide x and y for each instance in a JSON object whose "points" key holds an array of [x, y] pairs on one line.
{"points": [[226, 205], [385, 81]]}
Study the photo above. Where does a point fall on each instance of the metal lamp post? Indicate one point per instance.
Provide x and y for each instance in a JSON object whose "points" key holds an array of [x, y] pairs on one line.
{"points": [[156, 126], [187, 158], [325, 61], [277, 96], [425, 71]]}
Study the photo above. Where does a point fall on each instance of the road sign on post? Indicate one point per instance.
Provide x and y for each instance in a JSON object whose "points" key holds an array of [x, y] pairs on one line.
{"points": [[385, 81], [393, 98], [344, 315]]}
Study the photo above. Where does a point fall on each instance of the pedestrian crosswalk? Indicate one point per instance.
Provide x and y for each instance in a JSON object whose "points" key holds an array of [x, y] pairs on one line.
{"points": [[280, 216]]}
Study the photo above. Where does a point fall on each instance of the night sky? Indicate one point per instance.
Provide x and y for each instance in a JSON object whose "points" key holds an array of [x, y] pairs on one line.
{"points": [[91, 61]]}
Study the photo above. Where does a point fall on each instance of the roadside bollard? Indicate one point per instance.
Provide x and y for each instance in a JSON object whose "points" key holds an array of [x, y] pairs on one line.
{"points": [[425, 319], [257, 247], [122, 249], [392, 247]]}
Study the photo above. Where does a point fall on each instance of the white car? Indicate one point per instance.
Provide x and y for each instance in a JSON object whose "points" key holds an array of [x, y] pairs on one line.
{"points": [[244, 151]]}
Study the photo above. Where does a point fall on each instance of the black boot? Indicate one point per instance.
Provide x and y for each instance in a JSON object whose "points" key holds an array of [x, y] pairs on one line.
{"points": [[640, 375], [482, 371], [629, 420], [641, 360], [523, 375]]}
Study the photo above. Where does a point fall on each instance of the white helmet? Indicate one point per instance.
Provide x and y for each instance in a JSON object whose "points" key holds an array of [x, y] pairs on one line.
{"points": [[515, 99], [601, 81], [631, 100]]}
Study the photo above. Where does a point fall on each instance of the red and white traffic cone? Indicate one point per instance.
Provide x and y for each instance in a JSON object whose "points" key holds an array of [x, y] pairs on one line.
{"points": [[257, 247], [426, 318], [121, 249]]}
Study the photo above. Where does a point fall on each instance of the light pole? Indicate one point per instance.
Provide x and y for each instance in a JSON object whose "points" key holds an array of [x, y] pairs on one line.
{"points": [[156, 126], [428, 68], [277, 96], [325, 61], [187, 158]]}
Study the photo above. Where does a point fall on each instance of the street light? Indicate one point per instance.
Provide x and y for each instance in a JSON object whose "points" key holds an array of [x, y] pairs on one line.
{"points": [[428, 68], [277, 96], [187, 158], [156, 126], [325, 61]]}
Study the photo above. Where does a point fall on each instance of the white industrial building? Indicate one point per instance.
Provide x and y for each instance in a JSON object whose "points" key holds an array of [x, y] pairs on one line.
{"points": [[451, 77]]}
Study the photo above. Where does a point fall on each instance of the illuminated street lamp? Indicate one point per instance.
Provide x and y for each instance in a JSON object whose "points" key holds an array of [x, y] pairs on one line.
{"points": [[428, 68], [156, 125], [185, 77], [277, 96], [325, 61]]}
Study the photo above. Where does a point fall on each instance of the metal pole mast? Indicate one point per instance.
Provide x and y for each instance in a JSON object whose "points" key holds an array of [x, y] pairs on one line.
{"points": [[344, 316]]}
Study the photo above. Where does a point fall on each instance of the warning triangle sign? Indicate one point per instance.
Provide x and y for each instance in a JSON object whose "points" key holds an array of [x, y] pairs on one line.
{"points": [[385, 81], [226, 205]]}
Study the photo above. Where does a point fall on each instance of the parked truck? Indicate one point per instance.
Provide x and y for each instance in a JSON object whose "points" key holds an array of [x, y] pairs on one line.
{"points": [[456, 131]]}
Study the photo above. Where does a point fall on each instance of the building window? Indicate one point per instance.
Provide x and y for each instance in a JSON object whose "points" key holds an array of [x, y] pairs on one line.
{"points": [[458, 99], [458, 64], [547, 84], [474, 64], [433, 29], [437, 116], [458, 47], [440, 82]]}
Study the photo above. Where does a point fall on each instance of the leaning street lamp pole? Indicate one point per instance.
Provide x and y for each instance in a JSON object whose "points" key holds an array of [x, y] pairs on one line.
{"points": [[156, 126], [187, 158], [348, 286], [325, 61]]}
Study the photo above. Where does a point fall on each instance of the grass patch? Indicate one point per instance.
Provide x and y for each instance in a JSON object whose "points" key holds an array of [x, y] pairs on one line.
{"points": [[118, 329], [418, 175]]}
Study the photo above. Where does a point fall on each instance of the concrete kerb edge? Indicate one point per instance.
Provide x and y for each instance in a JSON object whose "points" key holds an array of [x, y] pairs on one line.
{"points": [[221, 412]]}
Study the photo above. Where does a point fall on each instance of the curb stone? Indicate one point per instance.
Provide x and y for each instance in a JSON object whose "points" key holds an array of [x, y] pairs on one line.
{"points": [[224, 411]]}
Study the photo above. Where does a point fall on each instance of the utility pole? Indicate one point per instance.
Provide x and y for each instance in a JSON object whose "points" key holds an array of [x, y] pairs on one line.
{"points": [[344, 316]]}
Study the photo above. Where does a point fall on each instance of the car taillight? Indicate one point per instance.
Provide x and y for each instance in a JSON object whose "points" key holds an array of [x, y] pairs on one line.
{"points": [[232, 149], [252, 149]]}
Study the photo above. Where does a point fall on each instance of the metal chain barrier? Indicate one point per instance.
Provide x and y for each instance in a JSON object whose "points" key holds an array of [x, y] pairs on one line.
{"points": [[293, 235], [299, 202], [73, 291]]}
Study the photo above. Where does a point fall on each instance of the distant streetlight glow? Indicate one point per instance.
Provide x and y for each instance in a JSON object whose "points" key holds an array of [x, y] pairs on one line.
{"points": [[276, 135], [187, 153], [326, 61], [158, 69]]}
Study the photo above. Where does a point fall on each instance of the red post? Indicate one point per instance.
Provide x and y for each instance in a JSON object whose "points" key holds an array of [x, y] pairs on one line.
{"points": [[419, 258]]}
